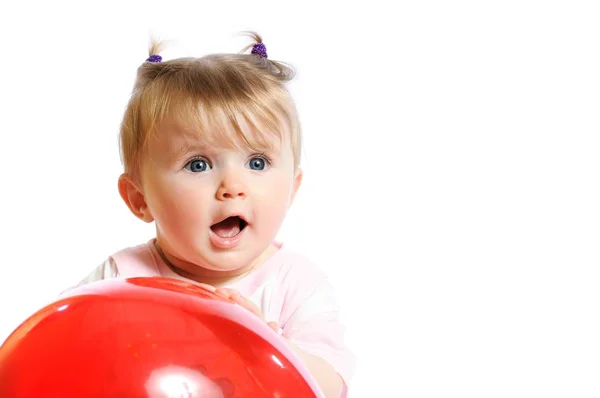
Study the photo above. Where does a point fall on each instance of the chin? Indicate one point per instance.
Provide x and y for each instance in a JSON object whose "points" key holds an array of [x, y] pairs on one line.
{"points": [[228, 261]]}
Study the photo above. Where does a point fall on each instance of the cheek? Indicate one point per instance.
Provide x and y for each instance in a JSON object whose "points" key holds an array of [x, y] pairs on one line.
{"points": [[177, 201], [274, 200]]}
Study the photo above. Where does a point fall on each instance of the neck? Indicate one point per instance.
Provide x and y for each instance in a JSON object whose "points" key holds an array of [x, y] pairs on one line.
{"points": [[207, 276]]}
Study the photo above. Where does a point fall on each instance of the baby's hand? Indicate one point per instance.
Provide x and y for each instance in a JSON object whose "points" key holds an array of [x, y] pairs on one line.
{"points": [[236, 296]]}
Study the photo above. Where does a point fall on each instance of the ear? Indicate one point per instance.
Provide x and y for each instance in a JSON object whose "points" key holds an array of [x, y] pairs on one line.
{"points": [[297, 183], [133, 197]]}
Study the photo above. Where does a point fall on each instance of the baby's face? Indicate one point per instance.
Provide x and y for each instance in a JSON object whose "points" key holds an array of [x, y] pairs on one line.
{"points": [[214, 206]]}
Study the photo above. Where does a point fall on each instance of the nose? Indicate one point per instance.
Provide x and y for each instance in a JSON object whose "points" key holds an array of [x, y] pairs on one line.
{"points": [[231, 188]]}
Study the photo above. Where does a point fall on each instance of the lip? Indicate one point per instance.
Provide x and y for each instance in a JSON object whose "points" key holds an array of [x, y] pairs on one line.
{"points": [[228, 215], [226, 243], [231, 242]]}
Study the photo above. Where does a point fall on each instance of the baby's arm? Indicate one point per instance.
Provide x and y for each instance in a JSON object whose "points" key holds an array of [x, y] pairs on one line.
{"points": [[320, 333], [315, 332], [328, 379]]}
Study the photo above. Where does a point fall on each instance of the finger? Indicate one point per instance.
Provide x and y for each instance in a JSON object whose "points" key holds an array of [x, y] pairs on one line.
{"points": [[249, 305], [274, 326], [225, 292], [236, 296], [207, 287]]}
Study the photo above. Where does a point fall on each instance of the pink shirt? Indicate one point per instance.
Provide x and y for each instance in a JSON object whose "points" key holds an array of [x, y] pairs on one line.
{"points": [[288, 288]]}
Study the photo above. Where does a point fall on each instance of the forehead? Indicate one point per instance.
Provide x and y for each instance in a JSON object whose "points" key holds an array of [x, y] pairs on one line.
{"points": [[175, 137]]}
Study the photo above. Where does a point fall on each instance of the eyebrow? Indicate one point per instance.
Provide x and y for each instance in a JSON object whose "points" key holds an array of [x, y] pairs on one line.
{"points": [[182, 151], [205, 148]]}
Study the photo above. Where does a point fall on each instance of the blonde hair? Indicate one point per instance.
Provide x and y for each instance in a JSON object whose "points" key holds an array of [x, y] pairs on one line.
{"points": [[229, 98]]}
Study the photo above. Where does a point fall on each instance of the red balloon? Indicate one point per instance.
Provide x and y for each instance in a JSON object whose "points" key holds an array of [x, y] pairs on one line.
{"points": [[149, 337]]}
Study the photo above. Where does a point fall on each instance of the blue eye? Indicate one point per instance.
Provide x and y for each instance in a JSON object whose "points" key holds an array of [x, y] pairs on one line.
{"points": [[197, 165], [257, 163]]}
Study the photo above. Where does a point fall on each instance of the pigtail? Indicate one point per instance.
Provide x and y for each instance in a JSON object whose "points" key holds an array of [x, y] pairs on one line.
{"points": [[153, 65], [256, 39], [155, 46], [258, 51]]}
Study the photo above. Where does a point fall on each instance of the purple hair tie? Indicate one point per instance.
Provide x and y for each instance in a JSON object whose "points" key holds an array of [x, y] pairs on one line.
{"points": [[260, 49], [154, 58]]}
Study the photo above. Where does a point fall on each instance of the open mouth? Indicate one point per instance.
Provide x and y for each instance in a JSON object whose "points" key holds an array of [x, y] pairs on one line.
{"points": [[229, 227]]}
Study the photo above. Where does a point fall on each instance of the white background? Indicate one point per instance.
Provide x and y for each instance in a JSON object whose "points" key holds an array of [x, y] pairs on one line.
{"points": [[451, 173]]}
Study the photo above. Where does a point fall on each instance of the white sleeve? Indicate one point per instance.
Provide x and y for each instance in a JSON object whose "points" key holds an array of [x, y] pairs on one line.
{"points": [[316, 328], [106, 270]]}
